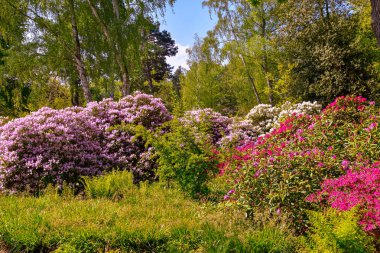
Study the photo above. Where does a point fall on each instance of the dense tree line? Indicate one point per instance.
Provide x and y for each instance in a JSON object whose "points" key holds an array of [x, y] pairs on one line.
{"points": [[270, 51], [75, 51], [61, 53]]}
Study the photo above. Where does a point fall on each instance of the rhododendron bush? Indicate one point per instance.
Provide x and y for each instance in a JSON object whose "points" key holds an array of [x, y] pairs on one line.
{"points": [[282, 168], [50, 146], [266, 117], [56, 146], [140, 109], [124, 150], [226, 132], [207, 122], [358, 187]]}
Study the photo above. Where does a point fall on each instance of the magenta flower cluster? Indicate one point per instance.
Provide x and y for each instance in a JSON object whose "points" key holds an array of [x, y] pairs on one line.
{"points": [[359, 187], [55, 146], [283, 167]]}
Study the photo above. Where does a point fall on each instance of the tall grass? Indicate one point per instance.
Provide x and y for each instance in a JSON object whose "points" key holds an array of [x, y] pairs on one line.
{"points": [[117, 216]]}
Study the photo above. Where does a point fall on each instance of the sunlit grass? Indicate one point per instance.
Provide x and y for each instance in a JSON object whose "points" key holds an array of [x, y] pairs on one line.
{"points": [[128, 218]]}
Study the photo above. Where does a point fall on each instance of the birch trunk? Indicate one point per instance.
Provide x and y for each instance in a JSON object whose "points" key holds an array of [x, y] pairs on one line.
{"points": [[78, 55]]}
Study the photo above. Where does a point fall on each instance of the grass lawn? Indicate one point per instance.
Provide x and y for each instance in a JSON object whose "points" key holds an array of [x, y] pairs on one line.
{"points": [[116, 216]]}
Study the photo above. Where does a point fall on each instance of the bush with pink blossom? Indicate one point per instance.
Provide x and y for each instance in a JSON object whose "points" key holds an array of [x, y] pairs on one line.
{"points": [[267, 117], [281, 168], [117, 119], [238, 132], [359, 187], [262, 119], [55, 146], [226, 132], [50, 146], [138, 109], [207, 122]]}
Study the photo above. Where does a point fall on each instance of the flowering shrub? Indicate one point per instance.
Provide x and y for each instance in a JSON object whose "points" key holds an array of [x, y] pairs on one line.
{"points": [[53, 146], [207, 122], [289, 109], [50, 146], [126, 151], [226, 132], [266, 117], [138, 109], [359, 187], [283, 167], [238, 132]]}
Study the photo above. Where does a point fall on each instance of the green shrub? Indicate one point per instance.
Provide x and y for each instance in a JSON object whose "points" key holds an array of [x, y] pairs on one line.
{"points": [[185, 157], [338, 232]]}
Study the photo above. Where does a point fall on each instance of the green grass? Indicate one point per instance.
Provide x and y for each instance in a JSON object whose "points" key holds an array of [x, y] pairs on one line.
{"points": [[116, 216]]}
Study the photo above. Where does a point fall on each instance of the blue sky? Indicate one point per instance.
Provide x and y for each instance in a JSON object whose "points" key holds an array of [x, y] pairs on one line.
{"points": [[183, 21]]}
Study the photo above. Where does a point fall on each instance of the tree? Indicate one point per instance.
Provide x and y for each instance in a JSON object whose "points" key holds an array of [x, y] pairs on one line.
{"points": [[121, 24], [247, 32], [176, 80], [375, 16], [376, 19], [237, 59], [45, 32], [324, 50], [231, 17], [158, 45], [13, 94], [204, 85], [93, 46], [77, 52]]}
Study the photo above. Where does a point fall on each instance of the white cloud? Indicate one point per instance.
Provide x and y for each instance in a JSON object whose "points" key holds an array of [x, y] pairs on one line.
{"points": [[180, 59]]}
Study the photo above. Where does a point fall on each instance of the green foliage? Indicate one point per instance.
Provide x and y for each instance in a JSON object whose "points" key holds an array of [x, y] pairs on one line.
{"points": [[217, 186], [204, 86], [256, 53], [14, 97], [329, 55], [259, 53], [93, 54], [185, 156], [271, 240], [168, 93], [109, 186], [338, 232]]}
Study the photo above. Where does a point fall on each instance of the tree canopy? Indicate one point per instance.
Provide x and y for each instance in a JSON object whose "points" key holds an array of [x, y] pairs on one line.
{"points": [[62, 53]]}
